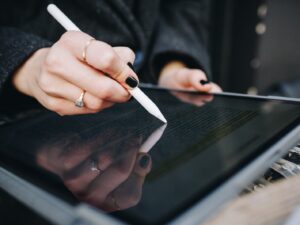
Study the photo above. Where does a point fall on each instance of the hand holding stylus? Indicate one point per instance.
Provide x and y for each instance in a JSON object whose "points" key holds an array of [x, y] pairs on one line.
{"points": [[80, 75], [57, 76], [131, 81]]}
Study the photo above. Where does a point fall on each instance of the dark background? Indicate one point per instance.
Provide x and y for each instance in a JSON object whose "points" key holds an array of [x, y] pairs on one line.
{"points": [[255, 46]]}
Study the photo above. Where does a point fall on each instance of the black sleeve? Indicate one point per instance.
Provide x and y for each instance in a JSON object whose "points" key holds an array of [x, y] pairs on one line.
{"points": [[182, 35], [15, 48]]}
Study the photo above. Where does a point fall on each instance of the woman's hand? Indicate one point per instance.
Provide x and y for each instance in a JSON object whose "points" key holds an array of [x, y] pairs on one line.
{"points": [[175, 75], [57, 76]]}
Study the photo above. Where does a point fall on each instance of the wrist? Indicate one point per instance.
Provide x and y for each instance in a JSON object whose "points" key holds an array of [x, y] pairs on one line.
{"points": [[170, 68]]}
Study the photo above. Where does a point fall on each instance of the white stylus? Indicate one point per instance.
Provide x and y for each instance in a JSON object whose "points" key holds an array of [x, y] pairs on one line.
{"points": [[137, 93], [152, 139]]}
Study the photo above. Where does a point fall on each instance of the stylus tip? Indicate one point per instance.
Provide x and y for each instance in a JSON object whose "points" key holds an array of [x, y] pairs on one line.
{"points": [[162, 118]]}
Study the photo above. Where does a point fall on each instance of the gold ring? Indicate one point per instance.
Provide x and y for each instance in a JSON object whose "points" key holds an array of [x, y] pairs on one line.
{"points": [[85, 48], [79, 102]]}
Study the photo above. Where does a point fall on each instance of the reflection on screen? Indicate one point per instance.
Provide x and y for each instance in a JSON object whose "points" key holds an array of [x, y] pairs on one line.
{"points": [[207, 139]]}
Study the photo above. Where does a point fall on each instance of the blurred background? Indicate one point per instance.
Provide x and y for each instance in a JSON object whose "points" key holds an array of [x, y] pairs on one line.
{"points": [[255, 46]]}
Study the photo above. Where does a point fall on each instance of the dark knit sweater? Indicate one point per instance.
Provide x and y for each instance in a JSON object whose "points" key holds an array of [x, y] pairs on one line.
{"points": [[161, 30]]}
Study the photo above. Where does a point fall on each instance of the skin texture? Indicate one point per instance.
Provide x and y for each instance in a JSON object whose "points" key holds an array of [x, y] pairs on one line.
{"points": [[56, 76]]}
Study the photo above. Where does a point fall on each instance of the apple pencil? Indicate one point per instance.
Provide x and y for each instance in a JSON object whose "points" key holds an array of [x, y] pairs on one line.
{"points": [[137, 93], [152, 139]]}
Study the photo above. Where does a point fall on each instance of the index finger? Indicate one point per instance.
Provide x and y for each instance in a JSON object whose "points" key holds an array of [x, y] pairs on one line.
{"points": [[101, 56]]}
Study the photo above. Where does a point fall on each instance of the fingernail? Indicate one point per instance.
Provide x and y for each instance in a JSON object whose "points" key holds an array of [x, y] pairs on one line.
{"points": [[204, 82], [131, 82], [130, 65], [144, 161]]}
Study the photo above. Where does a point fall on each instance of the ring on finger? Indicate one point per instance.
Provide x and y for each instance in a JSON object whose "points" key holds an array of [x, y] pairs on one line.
{"points": [[86, 46], [79, 101], [95, 167]]}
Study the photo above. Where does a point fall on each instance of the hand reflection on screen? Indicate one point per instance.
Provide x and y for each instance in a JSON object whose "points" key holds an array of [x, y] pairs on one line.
{"points": [[107, 171], [194, 99]]}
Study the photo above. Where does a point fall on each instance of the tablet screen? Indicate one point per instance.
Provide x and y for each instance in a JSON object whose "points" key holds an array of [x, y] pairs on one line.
{"points": [[130, 165]]}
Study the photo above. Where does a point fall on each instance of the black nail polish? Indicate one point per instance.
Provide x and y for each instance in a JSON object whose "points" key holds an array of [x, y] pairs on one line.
{"points": [[131, 82], [130, 65], [144, 161], [203, 82]]}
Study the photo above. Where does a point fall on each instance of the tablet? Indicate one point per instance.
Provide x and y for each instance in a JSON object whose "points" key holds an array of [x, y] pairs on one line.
{"points": [[126, 167]]}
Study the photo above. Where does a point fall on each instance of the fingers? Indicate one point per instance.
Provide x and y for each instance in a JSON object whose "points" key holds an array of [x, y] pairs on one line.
{"points": [[98, 84], [215, 88], [143, 165], [68, 70], [185, 79], [127, 195], [111, 178], [193, 78], [84, 77], [59, 88], [125, 53], [100, 56], [129, 192], [59, 105], [78, 179], [64, 107], [82, 164]]}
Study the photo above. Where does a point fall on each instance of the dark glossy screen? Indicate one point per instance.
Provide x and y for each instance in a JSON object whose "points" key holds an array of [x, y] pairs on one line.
{"points": [[127, 163]]}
